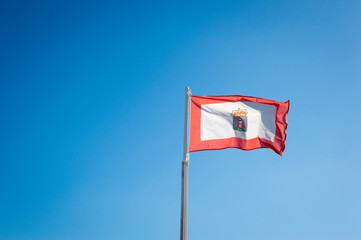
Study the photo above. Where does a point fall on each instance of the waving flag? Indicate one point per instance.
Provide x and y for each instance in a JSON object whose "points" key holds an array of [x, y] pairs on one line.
{"points": [[219, 122]]}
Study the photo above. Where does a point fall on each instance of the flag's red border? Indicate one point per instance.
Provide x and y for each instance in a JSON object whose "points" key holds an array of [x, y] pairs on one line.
{"points": [[195, 144]]}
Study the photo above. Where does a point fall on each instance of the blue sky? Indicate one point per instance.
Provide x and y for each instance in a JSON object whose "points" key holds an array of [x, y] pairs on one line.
{"points": [[92, 104]]}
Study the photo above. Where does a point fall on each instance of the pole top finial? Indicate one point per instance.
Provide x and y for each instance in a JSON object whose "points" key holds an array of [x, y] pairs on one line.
{"points": [[188, 91]]}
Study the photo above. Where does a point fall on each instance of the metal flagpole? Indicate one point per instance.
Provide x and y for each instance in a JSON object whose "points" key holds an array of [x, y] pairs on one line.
{"points": [[185, 164]]}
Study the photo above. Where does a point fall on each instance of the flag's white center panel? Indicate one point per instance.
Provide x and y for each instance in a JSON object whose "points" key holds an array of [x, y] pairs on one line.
{"points": [[218, 121]]}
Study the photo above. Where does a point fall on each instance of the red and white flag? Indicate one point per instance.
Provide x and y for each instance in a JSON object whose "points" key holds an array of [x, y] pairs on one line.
{"points": [[219, 122]]}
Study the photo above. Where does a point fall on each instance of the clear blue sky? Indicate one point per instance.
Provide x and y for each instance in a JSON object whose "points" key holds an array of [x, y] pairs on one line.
{"points": [[91, 126]]}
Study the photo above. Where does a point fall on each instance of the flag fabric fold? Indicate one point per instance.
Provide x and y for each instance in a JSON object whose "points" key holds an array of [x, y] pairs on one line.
{"points": [[219, 122]]}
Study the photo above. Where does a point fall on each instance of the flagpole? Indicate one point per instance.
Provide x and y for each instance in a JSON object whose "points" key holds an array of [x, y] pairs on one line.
{"points": [[185, 165]]}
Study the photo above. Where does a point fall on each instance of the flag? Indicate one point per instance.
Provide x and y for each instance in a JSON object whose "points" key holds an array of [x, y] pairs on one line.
{"points": [[219, 122]]}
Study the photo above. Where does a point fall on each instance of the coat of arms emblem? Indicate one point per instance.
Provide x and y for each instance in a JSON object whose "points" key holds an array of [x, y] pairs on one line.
{"points": [[240, 120]]}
